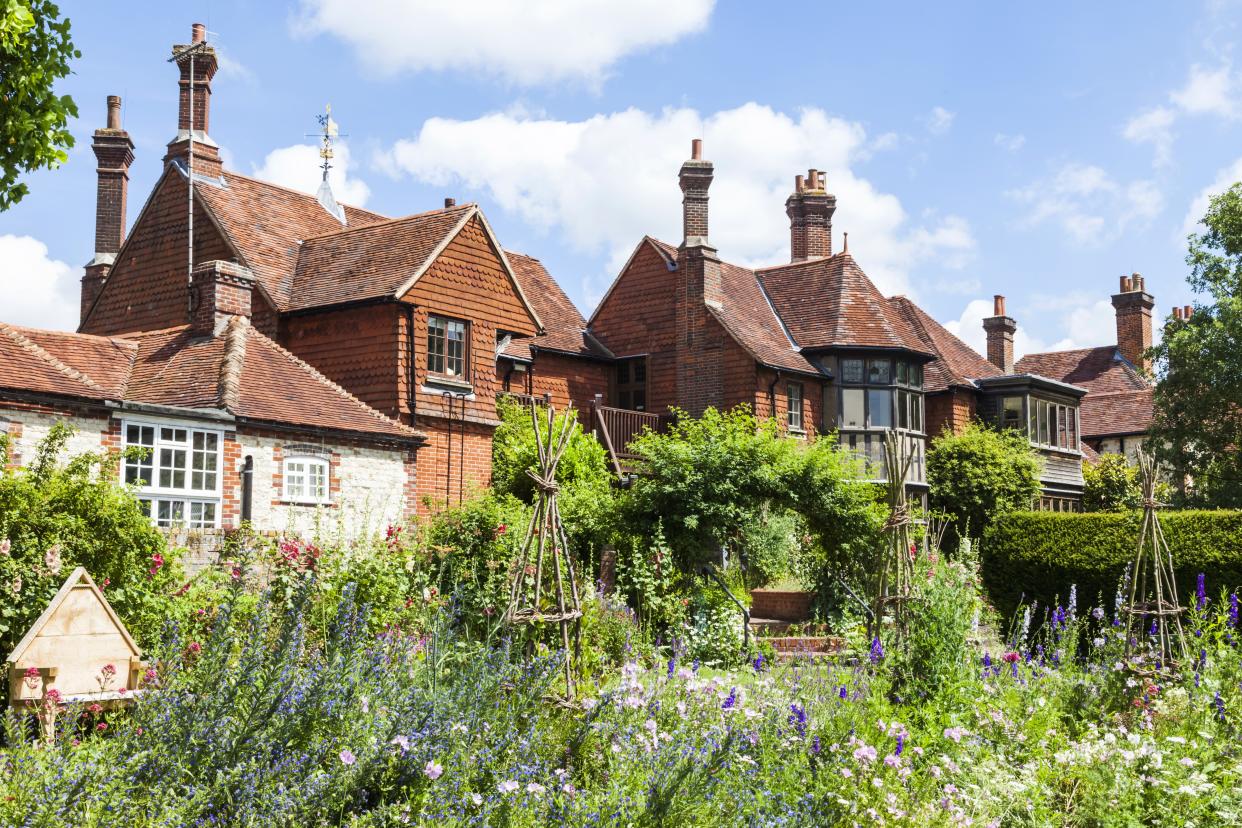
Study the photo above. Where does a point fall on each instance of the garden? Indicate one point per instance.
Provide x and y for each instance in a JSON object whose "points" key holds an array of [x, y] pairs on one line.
{"points": [[309, 682]]}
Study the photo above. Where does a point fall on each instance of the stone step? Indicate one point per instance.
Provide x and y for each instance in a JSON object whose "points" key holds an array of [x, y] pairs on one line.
{"points": [[775, 626], [807, 645]]}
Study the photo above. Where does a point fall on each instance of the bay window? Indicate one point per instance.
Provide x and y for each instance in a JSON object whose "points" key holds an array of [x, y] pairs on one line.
{"points": [[878, 394], [175, 471]]}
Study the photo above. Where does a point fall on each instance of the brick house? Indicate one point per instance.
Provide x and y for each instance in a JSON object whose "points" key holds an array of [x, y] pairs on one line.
{"points": [[1117, 410], [425, 318], [813, 343]]}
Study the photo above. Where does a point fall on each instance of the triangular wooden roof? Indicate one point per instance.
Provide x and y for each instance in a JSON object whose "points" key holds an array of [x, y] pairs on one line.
{"points": [[79, 577]]}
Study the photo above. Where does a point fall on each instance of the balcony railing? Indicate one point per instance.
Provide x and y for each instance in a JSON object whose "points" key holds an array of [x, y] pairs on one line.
{"points": [[616, 428]]}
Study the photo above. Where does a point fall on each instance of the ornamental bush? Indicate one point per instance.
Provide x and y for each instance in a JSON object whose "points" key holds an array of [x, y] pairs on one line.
{"points": [[979, 474], [1037, 556], [56, 514]]}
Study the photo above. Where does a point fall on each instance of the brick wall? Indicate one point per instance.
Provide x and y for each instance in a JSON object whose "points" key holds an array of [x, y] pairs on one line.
{"points": [[147, 287], [638, 317], [812, 398], [780, 605], [952, 409], [569, 380], [28, 424], [451, 468]]}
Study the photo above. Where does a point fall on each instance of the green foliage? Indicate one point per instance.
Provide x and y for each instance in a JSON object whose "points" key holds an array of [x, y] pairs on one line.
{"points": [[1111, 485], [587, 497], [35, 50], [980, 474], [57, 515], [1198, 419], [1037, 556], [650, 581]]}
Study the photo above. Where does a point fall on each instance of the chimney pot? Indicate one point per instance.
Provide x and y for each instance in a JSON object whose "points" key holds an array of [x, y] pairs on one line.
{"points": [[114, 112], [1133, 308], [450, 202], [1177, 312], [696, 149], [1187, 311], [810, 212], [198, 33], [799, 184], [1000, 330], [998, 305]]}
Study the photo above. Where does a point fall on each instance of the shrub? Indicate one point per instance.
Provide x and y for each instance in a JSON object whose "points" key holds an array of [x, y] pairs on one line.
{"points": [[1036, 556], [57, 515], [979, 474]]}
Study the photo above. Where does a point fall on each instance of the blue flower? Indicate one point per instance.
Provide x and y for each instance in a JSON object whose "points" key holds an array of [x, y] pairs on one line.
{"points": [[842, 693], [1201, 598], [1233, 609], [758, 663], [877, 650], [732, 700]]}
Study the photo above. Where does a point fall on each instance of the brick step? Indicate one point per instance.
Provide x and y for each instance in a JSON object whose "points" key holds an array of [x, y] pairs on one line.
{"points": [[803, 645], [765, 627]]}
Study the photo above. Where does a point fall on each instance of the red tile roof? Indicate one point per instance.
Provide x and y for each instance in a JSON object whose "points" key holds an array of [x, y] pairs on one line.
{"points": [[749, 317], [1101, 370], [957, 364], [1119, 412], [1089, 454], [371, 261], [564, 326], [265, 223], [241, 372], [830, 303]]}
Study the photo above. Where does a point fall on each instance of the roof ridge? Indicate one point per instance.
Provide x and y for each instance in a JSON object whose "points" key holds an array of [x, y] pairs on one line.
{"points": [[294, 191], [306, 366], [388, 222], [229, 390], [34, 349]]}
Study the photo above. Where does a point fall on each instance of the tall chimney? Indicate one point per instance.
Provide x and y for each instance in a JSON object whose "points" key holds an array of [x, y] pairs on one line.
{"points": [[221, 291], [114, 152], [1133, 305], [1000, 329], [700, 377], [810, 210], [196, 61]]}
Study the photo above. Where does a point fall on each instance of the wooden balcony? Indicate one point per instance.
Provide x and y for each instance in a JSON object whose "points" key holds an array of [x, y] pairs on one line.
{"points": [[616, 428]]}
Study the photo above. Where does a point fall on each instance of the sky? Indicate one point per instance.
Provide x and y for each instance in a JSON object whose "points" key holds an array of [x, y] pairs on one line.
{"points": [[1038, 151]]}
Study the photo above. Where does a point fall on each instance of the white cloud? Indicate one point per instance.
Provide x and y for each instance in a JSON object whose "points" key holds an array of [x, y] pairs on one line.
{"points": [[525, 42], [38, 291], [297, 167], [604, 182], [231, 67], [1155, 127], [1088, 204], [1013, 143], [939, 120], [1225, 179], [969, 328], [1210, 92]]}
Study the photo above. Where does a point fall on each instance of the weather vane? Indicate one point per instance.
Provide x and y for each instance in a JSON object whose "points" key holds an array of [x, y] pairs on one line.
{"points": [[329, 132]]}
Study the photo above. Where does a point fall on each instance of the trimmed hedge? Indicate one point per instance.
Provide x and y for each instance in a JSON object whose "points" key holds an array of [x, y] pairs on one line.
{"points": [[1036, 556]]}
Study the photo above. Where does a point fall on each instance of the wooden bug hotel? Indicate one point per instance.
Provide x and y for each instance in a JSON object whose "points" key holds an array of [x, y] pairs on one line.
{"points": [[77, 652]]}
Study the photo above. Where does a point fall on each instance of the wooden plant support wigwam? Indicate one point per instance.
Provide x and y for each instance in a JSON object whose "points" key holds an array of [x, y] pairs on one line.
{"points": [[533, 597], [897, 568], [1153, 585], [77, 652]]}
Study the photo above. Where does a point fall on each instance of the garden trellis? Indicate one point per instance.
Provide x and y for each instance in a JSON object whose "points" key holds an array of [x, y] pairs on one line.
{"points": [[531, 600], [1153, 588], [897, 567]]}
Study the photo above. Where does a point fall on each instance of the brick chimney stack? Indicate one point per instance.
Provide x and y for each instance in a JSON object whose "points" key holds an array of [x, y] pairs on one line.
{"points": [[810, 210], [1000, 329], [198, 57], [700, 378], [221, 291], [1133, 305], [114, 152]]}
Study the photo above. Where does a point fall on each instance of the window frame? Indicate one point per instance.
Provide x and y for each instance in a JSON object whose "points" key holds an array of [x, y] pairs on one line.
{"points": [[186, 499], [906, 399], [443, 356], [309, 462], [794, 398]]}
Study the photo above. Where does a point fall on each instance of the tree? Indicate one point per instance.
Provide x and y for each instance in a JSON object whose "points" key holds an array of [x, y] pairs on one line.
{"points": [[1197, 430], [35, 50], [980, 474], [1111, 485]]}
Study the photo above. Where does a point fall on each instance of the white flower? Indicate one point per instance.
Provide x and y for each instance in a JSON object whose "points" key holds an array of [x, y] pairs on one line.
{"points": [[535, 788], [5, 546], [507, 787], [477, 799], [402, 742]]}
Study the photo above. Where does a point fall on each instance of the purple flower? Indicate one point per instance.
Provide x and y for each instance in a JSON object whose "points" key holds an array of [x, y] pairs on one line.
{"points": [[815, 748], [347, 757], [672, 665], [842, 693], [758, 663], [1233, 609], [797, 718], [987, 660], [1152, 631], [731, 700], [901, 744], [433, 770], [877, 650], [1201, 598], [1220, 706], [1098, 613]]}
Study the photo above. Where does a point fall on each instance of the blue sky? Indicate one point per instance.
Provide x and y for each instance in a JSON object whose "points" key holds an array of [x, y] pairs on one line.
{"points": [[1034, 150]]}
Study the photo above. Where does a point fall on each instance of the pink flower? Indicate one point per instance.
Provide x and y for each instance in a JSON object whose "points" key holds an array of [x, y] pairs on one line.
{"points": [[347, 757], [101, 727], [52, 696], [51, 558], [5, 546], [1011, 657], [195, 647], [865, 754], [433, 770], [954, 733]]}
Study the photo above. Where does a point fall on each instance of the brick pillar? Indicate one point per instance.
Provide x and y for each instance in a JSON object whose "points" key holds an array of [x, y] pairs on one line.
{"points": [[1000, 329], [700, 381], [114, 152], [1134, 328], [196, 140], [810, 210], [221, 290]]}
